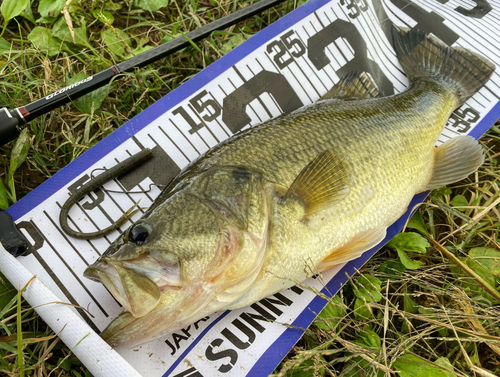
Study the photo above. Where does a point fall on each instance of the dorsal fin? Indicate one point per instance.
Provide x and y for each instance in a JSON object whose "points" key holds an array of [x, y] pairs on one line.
{"points": [[325, 180], [354, 85]]}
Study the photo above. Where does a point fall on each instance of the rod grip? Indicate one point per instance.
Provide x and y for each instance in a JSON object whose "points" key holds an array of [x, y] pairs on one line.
{"points": [[12, 240], [10, 126]]}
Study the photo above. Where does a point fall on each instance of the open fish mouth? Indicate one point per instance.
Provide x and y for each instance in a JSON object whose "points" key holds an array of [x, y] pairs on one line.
{"points": [[251, 216], [137, 283], [177, 307]]}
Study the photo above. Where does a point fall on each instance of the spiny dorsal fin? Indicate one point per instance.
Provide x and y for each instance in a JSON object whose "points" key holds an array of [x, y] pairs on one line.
{"points": [[456, 159], [354, 85], [325, 180]]}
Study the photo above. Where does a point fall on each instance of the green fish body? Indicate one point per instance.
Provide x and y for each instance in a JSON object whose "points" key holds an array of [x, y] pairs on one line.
{"points": [[293, 196]]}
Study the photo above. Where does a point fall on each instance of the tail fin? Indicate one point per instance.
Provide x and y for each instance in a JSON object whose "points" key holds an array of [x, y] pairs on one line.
{"points": [[422, 55]]}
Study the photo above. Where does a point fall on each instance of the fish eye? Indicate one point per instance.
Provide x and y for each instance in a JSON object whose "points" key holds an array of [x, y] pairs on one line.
{"points": [[139, 234]]}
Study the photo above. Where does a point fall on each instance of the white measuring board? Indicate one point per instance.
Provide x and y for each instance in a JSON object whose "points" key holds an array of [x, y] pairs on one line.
{"points": [[290, 64]]}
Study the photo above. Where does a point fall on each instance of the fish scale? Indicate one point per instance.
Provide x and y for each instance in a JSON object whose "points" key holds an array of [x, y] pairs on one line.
{"points": [[294, 196], [340, 126]]}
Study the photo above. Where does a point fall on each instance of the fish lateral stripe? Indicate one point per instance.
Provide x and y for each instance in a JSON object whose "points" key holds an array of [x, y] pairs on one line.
{"points": [[485, 105], [337, 204]]}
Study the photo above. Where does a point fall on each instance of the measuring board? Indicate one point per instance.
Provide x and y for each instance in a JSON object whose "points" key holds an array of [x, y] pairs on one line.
{"points": [[290, 64]]}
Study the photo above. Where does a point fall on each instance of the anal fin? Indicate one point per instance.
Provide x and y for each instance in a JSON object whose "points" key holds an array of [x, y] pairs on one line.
{"points": [[325, 180], [354, 248], [456, 159], [354, 85]]}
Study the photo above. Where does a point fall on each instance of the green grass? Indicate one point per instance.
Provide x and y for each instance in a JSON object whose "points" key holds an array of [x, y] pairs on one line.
{"points": [[435, 316], [393, 317]]}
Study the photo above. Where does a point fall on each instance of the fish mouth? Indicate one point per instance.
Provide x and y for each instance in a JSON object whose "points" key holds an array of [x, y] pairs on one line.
{"points": [[137, 293], [136, 283], [178, 308]]}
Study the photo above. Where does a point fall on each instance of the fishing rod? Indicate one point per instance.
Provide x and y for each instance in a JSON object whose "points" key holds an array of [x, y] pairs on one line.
{"points": [[12, 121]]}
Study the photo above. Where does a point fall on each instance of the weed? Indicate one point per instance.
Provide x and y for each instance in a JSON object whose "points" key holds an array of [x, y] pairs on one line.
{"points": [[412, 309], [437, 317], [75, 40]]}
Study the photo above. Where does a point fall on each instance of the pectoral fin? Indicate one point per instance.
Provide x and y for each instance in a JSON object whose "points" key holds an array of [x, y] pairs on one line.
{"points": [[354, 248], [354, 85], [324, 181], [455, 160]]}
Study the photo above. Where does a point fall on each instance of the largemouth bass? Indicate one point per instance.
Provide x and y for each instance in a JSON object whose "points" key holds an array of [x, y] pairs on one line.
{"points": [[293, 196]]}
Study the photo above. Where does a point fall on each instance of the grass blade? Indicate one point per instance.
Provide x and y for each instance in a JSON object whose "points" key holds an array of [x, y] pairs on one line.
{"points": [[488, 288], [20, 357]]}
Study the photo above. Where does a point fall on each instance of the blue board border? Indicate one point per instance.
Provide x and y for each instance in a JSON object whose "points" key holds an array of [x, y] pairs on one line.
{"points": [[273, 356], [140, 121]]}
